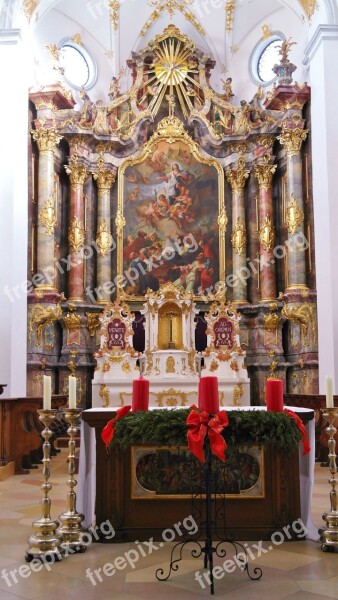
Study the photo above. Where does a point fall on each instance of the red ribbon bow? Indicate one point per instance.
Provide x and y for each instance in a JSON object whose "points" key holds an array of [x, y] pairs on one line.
{"points": [[301, 427], [108, 431], [199, 424]]}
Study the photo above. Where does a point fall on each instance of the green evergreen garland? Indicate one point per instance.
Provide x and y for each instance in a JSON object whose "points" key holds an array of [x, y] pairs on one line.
{"points": [[168, 428]]}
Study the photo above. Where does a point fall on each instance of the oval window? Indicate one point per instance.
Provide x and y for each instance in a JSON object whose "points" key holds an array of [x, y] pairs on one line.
{"points": [[77, 64]]}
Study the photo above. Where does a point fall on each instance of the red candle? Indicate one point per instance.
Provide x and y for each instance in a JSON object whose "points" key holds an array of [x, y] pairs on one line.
{"points": [[274, 395], [140, 400], [208, 398]]}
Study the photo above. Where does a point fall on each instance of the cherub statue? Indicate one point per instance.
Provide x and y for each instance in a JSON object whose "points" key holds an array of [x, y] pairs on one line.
{"points": [[114, 89], [227, 89], [285, 49]]}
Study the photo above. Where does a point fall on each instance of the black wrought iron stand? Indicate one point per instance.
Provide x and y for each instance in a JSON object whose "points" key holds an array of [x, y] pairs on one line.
{"points": [[207, 548]]}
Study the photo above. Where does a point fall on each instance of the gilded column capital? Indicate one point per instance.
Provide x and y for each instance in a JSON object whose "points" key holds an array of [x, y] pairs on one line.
{"points": [[237, 177], [46, 139], [264, 173], [77, 173], [104, 177], [292, 140]]}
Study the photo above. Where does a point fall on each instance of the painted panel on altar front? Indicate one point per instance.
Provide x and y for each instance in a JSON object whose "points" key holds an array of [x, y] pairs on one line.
{"points": [[167, 472], [171, 201]]}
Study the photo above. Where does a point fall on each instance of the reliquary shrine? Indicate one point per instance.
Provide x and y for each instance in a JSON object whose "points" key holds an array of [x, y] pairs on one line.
{"points": [[170, 360], [170, 183]]}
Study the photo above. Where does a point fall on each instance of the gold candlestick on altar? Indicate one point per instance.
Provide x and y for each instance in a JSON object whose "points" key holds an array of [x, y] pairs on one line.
{"points": [[46, 541], [70, 521], [329, 534]]}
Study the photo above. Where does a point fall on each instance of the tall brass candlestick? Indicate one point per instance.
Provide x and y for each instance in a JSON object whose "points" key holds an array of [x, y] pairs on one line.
{"points": [[46, 541], [70, 521], [329, 534]]}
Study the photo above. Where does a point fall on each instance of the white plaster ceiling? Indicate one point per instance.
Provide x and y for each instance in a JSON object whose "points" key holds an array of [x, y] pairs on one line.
{"points": [[56, 19]]}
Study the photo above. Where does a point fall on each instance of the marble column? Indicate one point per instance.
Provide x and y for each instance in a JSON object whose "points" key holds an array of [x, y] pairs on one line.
{"points": [[104, 241], [78, 174], [292, 140], [237, 178], [47, 140], [264, 173]]}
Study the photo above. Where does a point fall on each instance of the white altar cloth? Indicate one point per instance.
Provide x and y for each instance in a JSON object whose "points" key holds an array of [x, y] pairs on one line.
{"points": [[87, 470]]}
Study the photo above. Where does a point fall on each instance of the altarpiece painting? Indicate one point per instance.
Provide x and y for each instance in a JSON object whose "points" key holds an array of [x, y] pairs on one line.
{"points": [[170, 202]]}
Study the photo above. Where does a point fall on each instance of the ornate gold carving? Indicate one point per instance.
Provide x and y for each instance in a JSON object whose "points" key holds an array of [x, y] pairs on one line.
{"points": [[264, 173], [115, 359], [303, 315], [104, 177], [170, 365], [171, 5], [237, 394], [126, 367], [78, 173], [170, 395], [105, 395], [310, 6], [230, 6], [272, 368], [72, 322], [46, 139], [271, 322], [47, 215], [106, 366], [292, 139], [238, 237], [222, 220], [234, 365], [104, 238], [93, 322], [120, 223], [266, 234], [29, 7], [72, 367], [214, 365], [114, 6], [237, 177], [265, 141], [76, 235], [294, 215], [41, 316], [266, 32]]}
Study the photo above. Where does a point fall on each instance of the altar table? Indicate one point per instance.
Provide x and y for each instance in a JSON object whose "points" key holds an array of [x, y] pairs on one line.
{"points": [[104, 489]]}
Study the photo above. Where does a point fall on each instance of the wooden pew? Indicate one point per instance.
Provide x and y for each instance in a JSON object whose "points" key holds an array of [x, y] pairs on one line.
{"points": [[20, 431]]}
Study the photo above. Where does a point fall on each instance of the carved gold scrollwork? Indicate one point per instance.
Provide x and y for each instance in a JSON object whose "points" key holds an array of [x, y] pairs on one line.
{"points": [[105, 395], [93, 322], [119, 222], [271, 322], [237, 394], [266, 234], [238, 238], [304, 316], [73, 325], [294, 215], [104, 238], [222, 220], [76, 235], [47, 215], [41, 316]]}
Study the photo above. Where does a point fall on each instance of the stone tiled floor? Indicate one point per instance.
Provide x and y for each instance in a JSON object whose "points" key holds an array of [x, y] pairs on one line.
{"points": [[296, 570]]}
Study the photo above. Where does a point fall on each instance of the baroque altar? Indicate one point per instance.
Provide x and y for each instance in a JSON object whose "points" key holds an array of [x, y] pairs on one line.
{"points": [[170, 360]]}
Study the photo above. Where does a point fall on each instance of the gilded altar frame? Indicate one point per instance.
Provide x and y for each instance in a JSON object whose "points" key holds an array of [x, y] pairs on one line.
{"points": [[170, 139], [246, 461]]}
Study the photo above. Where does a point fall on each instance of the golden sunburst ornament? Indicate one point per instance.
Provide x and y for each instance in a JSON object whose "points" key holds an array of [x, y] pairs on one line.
{"points": [[170, 77]]}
